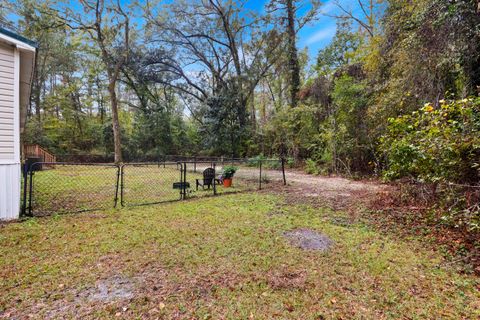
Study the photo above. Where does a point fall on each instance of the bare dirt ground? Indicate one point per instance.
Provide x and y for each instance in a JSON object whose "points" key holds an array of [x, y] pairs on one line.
{"points": [[379, 204], [334, 192]]}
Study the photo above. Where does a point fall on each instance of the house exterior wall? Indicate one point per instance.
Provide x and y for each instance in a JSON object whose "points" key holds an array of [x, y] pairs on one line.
{"points": [[9, 191], [7, 110], [9, 132]]}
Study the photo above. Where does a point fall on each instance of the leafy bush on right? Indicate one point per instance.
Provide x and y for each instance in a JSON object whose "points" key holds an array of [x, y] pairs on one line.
{"points": [[439, 150], [435, 144]]}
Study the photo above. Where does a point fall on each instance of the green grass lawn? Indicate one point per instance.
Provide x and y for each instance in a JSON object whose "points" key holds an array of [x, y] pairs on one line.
{"points": [[221, 258]]}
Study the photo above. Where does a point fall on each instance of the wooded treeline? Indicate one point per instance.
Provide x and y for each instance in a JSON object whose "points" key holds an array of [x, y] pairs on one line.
{"points": [[214, 77]]}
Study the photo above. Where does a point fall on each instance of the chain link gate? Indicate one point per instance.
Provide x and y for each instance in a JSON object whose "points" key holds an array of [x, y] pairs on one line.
{"points": [[69, 187]]}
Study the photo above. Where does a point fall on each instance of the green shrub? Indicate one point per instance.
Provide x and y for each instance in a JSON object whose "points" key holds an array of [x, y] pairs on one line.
{"points": [[435, 145], [441, 149], [255, 161], [229, 172], [290, 162], [311, 167], [267, 164], [272, 164]]}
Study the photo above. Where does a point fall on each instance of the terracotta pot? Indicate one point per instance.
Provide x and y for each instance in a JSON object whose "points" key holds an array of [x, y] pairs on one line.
{"points": [[227, 183]]}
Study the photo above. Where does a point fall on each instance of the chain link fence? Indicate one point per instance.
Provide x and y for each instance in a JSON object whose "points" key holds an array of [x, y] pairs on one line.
{"points": [[51, 188], [149, 183]]}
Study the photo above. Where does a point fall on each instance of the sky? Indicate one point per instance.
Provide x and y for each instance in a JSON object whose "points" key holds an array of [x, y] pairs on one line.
{"points": [[314, 36], [319, 33]]}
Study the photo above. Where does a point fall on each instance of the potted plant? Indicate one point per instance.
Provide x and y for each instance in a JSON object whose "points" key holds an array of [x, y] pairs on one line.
{"points": [[227, 175]]}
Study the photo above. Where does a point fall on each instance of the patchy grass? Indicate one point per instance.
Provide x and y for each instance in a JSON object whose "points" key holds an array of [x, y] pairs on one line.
{"points": [[223, 257]]}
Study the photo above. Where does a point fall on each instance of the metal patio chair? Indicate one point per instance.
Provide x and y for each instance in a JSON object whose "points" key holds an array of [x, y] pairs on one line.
{"points": [[208, 178]]}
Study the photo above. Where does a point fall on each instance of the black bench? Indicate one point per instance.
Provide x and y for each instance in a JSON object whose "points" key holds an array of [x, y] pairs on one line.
{"points": [[181, 185]]}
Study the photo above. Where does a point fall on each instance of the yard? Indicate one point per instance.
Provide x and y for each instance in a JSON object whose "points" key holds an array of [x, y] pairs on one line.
{"points": [[223, 257], [372, 210]]}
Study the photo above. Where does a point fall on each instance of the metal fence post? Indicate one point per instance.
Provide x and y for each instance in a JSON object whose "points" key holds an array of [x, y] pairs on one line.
{"points": [[214, 179], [181, 177], [25, 183], [260, 180], [117, 185], [184, 180], [122, 196], [195, 164], [30, 193], [283, 172]]}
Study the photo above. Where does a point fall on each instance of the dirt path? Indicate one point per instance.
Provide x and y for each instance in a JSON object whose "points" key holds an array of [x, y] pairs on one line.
{"points": [[335, 192], [332, 191], [331, 184]]}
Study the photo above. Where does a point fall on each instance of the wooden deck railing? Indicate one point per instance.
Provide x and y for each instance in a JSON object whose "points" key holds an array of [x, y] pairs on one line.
{"points": [[34, 150]]}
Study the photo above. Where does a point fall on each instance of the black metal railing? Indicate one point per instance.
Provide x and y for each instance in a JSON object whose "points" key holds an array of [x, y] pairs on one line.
{"points": [[63, 187]]}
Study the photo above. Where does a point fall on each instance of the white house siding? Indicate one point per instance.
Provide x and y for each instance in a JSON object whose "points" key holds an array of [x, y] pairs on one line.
{"points": [[7, 110], [9, 132], [9, 191]]}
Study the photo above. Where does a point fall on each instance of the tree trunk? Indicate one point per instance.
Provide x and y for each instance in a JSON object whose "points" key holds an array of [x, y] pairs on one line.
{"points": [[101, 107], [253, 113], [292, 54], [37, 99], [117, 140]]}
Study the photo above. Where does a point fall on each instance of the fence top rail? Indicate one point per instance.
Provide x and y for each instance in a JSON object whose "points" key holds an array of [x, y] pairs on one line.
{"points": [[75, 164], [206, 158], [445, 183], [93, 164], [152, 163], [265, 160], [232, 160], [200, 161], [238, 160]]}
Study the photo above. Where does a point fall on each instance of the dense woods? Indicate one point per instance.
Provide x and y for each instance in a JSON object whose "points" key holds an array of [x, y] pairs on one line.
{"points": [[395, 93]]}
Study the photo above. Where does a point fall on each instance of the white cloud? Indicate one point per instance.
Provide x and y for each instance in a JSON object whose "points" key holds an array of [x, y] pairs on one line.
{"points": [[328, 7], [322, 34]]}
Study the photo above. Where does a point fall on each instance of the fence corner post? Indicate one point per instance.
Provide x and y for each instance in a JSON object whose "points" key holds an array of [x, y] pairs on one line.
{"points": [[283, 172], [25, 183], [184, 184], [117, 185], [30, 192], [214, 179], [122, 187]]}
